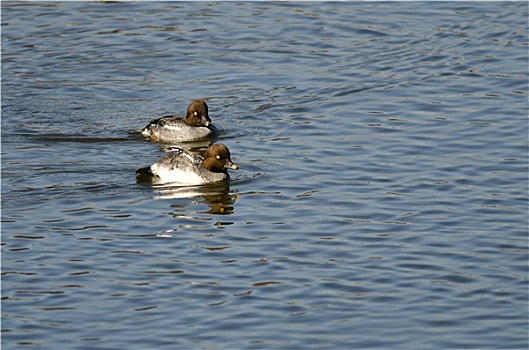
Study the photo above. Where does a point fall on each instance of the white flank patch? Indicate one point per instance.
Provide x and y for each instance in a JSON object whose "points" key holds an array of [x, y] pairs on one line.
{"points": [[177, 176]]}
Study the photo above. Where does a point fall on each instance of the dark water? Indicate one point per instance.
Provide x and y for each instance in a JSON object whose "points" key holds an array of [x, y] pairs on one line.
{"points": [[381, 200]]}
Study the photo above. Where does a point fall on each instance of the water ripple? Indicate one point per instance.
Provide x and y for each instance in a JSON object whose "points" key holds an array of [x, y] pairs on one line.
{"points": [[380, 200]]}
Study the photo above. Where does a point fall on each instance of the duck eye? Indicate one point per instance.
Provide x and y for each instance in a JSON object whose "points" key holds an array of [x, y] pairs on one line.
{"points": [[217, 156], [195, 113]]}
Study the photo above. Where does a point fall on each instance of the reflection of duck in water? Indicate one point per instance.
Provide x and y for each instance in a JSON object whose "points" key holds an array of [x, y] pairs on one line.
{"points": [[191, 146], [195, 125], [220, 204], [185, 168], [216, 196]]}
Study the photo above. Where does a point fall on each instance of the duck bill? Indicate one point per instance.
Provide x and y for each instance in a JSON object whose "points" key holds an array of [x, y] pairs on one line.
{"points": [[205, 122], [233, 166]]}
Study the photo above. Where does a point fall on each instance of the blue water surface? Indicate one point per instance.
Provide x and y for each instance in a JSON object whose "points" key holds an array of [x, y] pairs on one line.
{"points": [[381, 201]]}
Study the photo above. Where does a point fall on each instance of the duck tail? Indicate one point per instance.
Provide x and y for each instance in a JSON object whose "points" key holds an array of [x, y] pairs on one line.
{"points": [[144, 174]]}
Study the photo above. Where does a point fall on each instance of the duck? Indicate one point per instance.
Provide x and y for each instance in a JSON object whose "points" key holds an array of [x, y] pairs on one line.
{"points": [[182, 167], [196, 125]]}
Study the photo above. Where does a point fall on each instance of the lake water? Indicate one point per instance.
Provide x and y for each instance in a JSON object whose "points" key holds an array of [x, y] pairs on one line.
{"points": [[381, 201]]}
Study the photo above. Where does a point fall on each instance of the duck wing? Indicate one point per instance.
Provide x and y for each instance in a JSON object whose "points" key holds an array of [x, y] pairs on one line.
{"points": [[167, 121], [179, 158]]}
